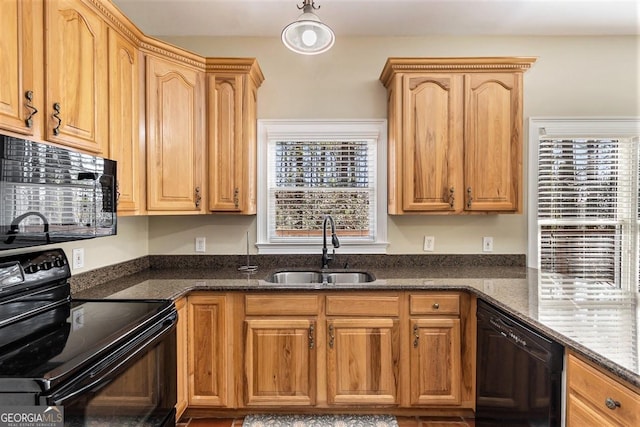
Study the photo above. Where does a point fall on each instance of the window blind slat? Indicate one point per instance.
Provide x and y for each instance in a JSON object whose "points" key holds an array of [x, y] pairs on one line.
{"points": [[585, 207], [312, 179]]}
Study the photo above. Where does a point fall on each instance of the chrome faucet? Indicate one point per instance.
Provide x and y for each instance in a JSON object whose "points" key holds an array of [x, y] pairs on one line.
{"points": [[334, 241]]}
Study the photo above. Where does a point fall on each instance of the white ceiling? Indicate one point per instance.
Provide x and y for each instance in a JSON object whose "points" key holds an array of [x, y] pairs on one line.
{"points": [[266, 18]]}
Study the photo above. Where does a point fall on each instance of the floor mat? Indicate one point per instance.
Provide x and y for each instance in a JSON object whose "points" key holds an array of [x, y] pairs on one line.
{"points": [[270, 420]]}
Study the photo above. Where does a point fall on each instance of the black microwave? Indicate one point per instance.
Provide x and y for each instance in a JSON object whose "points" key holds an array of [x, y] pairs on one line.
{"points": [[51, 195]]}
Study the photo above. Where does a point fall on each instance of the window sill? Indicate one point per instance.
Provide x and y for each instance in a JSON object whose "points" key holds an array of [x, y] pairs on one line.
{"points": [[315, 248]]}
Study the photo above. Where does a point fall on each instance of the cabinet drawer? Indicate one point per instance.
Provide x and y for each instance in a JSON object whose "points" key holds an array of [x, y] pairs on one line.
{"points": [[595, 387], [283, 304], [435, 304], [363, 305]]}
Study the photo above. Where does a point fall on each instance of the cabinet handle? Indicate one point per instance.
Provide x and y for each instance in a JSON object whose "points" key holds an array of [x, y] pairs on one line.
{"points": [[236, 200], [32, 110], [198, 197], [311, 342], [469, 198], [611, 403], [56, 115], [331, 336], [416, 336], [452, 197]]}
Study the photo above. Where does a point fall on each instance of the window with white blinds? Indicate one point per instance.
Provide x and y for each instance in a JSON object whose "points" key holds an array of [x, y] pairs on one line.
{"points": [[318, 168], [588, 209], [311, 179]]}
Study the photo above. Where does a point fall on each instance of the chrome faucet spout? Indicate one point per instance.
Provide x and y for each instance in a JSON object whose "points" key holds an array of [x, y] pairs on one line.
{"points": [[334, 241]]}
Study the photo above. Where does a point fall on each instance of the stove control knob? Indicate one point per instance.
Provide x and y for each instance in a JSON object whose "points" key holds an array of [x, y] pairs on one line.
{"points": [[33, 268], [46, 265], [58, 262]]}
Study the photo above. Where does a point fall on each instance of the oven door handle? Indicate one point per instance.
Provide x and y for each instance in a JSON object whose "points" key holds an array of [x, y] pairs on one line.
{"points": [[103, 375]]}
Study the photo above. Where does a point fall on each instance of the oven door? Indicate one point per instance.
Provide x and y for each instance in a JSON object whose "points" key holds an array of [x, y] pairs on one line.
{"points": [[134, 386]]}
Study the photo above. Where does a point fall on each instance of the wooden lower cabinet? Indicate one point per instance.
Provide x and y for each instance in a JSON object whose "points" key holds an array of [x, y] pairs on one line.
{"points": [[182, 357], [280, 341], [209, 335], [441, 350], [596, 399], [362, 361], [327, 351], [280, 368], [435, 362]]}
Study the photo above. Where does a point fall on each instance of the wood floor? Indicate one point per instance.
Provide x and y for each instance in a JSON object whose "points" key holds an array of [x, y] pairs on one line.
{"points": [[402, 422]]}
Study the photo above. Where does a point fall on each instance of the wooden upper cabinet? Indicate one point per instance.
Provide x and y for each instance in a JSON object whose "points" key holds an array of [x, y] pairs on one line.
{"points": [[76, 105], [232, 87], [493, 143], [19, 96], [175, 137], [432, 149], [124, 121], [455, 134]]}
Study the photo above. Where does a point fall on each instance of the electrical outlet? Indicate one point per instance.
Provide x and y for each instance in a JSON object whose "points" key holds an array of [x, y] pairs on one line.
{"points": [[487, 244], [201, 244], [429, 243], [78, 258]]}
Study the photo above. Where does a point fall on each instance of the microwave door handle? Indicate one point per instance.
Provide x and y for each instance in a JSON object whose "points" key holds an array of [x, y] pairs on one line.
{"points": [[104, 378]]}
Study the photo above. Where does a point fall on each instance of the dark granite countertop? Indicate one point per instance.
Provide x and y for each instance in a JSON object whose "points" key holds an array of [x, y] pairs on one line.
{"points": [[592, 319]]}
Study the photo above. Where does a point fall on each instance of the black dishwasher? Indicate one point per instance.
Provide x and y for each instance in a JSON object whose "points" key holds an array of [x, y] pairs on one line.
{"points": [[519, 373]]}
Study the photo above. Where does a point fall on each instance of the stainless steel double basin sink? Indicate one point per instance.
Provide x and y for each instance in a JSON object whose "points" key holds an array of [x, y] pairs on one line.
{"points": [[319, 276]]}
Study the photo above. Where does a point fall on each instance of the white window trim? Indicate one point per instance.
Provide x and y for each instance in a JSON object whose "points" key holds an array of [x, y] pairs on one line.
{"points": [[565, 127], [322, 130]]}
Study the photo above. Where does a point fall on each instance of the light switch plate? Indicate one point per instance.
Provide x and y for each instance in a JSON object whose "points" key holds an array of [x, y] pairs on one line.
{"points": [[487, 244], [78, 258], [429, 243], [201, 244]]}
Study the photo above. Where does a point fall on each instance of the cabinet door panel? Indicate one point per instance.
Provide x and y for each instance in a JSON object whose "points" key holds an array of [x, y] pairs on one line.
{"points": [[124, 125], [16, 68], [362, 361], [182, 357], [174, 137], [208, 338], [589, 388], [76, 75], [432, 143], [436, 370], [280, 362], [226, 152], [493, 148], [581, 414]]}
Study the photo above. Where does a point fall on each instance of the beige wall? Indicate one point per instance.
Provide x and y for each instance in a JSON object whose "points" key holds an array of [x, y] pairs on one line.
{"points": [[574, 76], [132, 241]]}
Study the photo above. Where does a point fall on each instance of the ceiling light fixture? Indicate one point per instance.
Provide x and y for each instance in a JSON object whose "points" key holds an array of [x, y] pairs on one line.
{"points": [[307, 34]]}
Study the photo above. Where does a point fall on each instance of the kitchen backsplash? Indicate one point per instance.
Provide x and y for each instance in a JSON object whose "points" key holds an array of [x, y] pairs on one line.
{"points": [[87, 280]]}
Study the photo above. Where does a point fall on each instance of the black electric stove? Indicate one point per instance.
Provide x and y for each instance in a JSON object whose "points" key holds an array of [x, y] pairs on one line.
{"points": [[99, 359]]}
